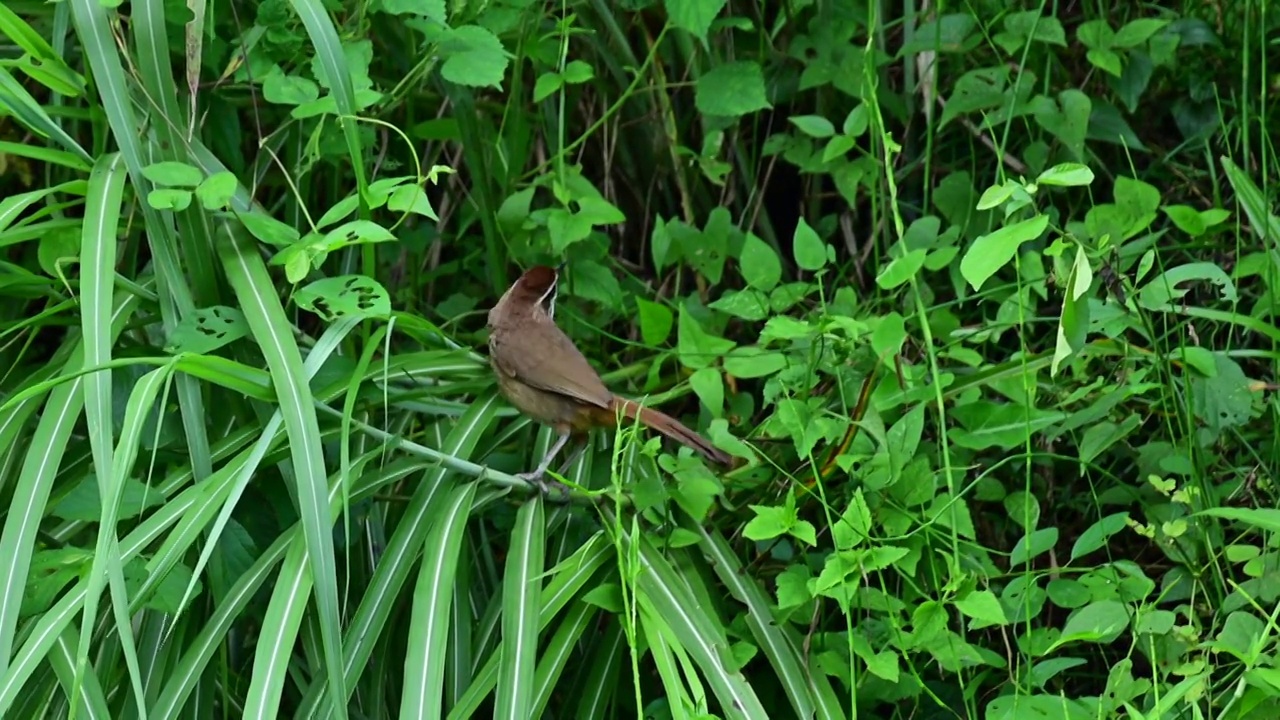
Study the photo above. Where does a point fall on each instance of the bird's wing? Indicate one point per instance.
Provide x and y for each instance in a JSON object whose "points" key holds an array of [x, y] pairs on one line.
{"points": [[559, 368]]}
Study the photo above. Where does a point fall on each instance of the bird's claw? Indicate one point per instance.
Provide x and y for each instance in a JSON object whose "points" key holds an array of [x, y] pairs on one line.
{"points": [[538, 480]]}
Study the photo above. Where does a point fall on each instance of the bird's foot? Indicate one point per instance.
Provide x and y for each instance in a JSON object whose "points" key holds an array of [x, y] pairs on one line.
{"points": [[545, 486]]}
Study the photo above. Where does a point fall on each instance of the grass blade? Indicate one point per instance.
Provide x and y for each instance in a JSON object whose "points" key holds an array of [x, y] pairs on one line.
{"points": [[809, 692], [428, 628], [521, 601], [402, 550], [248, 277], [46, 450]]}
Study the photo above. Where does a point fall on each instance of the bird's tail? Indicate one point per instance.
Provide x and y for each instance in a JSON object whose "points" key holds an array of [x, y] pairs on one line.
{"points": [[671, 428]]}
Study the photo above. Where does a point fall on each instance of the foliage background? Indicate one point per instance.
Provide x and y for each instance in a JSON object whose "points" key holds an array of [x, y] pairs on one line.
{"points": [[981, 296]]}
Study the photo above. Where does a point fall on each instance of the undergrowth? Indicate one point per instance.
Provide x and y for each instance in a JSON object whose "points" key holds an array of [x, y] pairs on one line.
{"points": [[980, 299]]}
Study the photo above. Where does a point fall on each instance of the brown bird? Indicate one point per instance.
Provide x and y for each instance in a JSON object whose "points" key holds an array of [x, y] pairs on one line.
{"points": [[544, 375]]}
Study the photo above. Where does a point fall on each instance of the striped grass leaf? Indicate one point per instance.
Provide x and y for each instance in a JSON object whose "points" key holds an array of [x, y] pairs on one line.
{"points": [[107, 561], [88, 701], [568, 579], [93, 29], [15, 98], [247, 274], [424, 663], [559, 651], [45, 451], [698, 633], [521, 605], [668, 657], [809, 690], [421, 513], [603, 669], [195, 660], [329, 53], [98, 245], [329, 342]]}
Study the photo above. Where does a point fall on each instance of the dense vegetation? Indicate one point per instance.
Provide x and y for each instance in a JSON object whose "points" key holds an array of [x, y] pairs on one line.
{"points": [[981, 298]]}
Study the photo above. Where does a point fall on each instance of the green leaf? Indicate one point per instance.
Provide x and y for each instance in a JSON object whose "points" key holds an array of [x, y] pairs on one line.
{"points": [[55, 249], [546, 84], [474, 57], [598, 211], [694, 16], [1096, 34], [578, 71], [900, 270], [173, 174], [760, 265], [656, 321], [1100, 621], [856, 122], [297, 264], [1073, 323], [698, 348], [1186, 218], [566, 229], [837, 147], [269, 230], [356, 232], [784, 327], [854, 526], [1095, 536], [281, 89], [708, 385], [983, 608], [1172, 285], [769, 522], [169, 199], [433, 10], [810, 251], [84, 502], [731, 89], [749, 304], [215, 192], [814, 126], [1067, 119], [411, 198], [1032, 546], [991, 252], [1214, 216], [753, 362], [793, 586], [1136, 32], [345, 296], [206, 330], [1107, 61], [804, 531], [1066, 175], [1100, 437]]}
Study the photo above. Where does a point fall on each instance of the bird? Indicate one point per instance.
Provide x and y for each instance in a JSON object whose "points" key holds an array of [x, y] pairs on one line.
{"points": [[542, 374]]}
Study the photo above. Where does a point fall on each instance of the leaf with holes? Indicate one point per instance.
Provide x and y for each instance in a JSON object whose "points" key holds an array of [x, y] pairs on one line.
{"points": [[356, 232], [207, 329], [345, 296]]}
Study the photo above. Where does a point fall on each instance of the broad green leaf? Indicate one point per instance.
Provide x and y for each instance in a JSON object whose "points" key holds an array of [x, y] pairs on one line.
{"points": [[810, 251], [694, 16], [991, 252], [731, 89], [760, 265]]}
